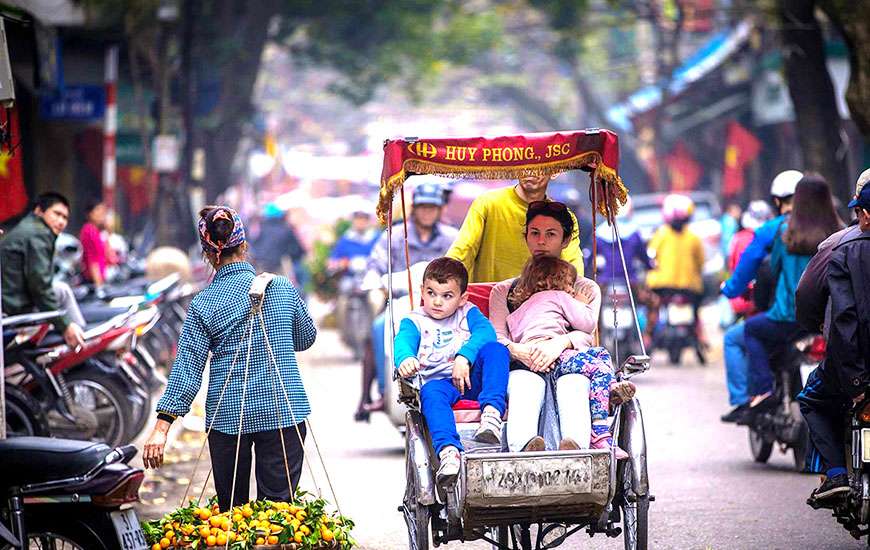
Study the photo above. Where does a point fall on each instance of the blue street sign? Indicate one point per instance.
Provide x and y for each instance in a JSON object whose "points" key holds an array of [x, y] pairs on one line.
{"points": [[75, 102]]}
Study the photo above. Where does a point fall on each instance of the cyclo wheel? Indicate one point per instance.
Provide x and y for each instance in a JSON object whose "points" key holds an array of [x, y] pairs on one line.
{"points": [[635, 513], [417, 516]]}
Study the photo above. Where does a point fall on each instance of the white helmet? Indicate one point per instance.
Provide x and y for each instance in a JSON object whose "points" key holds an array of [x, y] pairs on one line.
{"points": [[677, 207], [784, 183], [755, 215]]}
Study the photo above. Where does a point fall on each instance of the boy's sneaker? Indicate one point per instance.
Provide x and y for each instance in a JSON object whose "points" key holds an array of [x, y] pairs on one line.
{"points": [[832, 488], [449, 466], [490, 426]]}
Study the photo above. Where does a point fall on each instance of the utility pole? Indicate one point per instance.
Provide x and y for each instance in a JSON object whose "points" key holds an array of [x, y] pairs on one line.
{"points": [[164, 146], [110, 125]]}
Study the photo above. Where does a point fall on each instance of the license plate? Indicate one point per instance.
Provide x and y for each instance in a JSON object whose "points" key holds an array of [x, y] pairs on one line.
{"points": [[534, 477], [129, 531], [623, 318], [865, 445], [681, 314]]}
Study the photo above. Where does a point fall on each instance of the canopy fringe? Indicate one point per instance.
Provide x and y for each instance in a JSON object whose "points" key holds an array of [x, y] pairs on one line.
{"points": [[616, 191]]}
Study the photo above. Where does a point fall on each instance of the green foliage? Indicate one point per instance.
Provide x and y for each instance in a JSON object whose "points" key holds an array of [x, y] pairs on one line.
{"points": [[322, 282]]}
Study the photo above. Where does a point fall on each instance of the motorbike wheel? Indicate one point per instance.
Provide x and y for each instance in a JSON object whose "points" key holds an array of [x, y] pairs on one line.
{"points": [[800, 448], [24, 416], [759, 448], [674, 353], [635, 513], [106, 396], [65, 535]]}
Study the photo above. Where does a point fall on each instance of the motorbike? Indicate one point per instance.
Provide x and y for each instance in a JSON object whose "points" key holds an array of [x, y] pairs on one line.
{"points": [[781, 421], [61, 493], [617, 321], [853, 512], [676, 328], [96, 392], [354, 309]]}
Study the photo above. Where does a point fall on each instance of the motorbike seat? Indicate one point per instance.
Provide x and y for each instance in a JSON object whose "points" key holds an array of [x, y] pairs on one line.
{"points": [[39, 459], [96, 313]]}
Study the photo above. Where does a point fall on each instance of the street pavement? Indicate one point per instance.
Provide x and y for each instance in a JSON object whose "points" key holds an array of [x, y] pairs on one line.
{"points": [[709, 492]]}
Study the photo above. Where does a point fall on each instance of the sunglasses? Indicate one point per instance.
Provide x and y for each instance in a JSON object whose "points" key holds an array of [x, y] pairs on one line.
{"points": [[547, 206]]}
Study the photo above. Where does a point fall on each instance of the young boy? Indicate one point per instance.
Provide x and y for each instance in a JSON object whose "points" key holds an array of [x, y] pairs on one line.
{"points": [[453, 346]]}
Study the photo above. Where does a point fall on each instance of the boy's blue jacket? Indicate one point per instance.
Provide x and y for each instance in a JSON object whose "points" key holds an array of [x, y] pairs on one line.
{"points": [[436, 342]]}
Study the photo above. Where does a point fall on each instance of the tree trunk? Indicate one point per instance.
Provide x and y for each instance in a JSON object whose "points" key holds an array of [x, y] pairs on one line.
{"points": [[812, 93], [241, 31], [852, 20]]}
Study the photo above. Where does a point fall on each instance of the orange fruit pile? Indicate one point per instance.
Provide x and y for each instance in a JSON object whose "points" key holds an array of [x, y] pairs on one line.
{"points": [[304, 524]]}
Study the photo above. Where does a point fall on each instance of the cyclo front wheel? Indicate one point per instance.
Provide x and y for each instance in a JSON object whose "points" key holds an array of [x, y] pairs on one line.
{"points": [[635, 513], [417, 516]]}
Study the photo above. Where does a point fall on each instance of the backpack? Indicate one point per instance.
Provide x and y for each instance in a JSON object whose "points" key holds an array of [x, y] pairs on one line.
{"points": [[768, 274]]}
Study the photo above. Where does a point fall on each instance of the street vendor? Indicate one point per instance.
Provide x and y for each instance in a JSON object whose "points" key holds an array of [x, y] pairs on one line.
{"points": [[490, 241], [246, 405]]}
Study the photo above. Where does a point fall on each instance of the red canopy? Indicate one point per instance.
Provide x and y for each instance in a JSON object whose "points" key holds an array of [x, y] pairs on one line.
{"points": [[506, 157]]}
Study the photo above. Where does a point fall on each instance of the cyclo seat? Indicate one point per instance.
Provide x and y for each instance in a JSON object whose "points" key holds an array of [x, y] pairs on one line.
{"points": [[38, 459]]}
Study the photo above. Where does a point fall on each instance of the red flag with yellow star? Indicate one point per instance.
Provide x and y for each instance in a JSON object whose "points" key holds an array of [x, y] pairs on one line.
{"points": [[741, 148], [683, 170], [13, 195]]}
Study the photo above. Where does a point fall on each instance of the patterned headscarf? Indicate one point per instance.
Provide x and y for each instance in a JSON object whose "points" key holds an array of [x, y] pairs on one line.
{"points": [[236, 238]]}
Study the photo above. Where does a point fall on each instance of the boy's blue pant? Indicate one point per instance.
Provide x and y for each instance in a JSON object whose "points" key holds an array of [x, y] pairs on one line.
{"points": [[489, 378]]}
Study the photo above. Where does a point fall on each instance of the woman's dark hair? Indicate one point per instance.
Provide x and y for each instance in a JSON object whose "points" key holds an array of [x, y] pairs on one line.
{"points": [[555, 210], [813, 217], [49, 199], [91, 205], [219, 230]]}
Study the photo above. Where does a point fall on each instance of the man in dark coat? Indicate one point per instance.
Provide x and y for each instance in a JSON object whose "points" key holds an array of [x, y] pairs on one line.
{"points": [[842, 378], [27, 255]]}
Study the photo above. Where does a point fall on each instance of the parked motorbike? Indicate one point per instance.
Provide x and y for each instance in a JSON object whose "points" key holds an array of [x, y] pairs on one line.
{"points": [[779, 420], [676, 328], [60, 493], [96, 392]]}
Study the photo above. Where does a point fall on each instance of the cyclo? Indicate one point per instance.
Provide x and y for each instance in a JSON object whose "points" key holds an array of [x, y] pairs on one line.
{"points": [[528, 500]]}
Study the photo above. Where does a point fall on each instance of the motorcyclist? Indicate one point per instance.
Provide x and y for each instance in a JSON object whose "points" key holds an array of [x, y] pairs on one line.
{"points": [[348, 260], [734, 344], [428, 238], [356, 242], [26, 254], [812, 220], [679, 258], [842, 378], [742, 275]]}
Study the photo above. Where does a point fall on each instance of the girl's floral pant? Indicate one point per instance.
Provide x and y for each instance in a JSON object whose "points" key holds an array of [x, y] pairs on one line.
{"points": [[594, 364]]}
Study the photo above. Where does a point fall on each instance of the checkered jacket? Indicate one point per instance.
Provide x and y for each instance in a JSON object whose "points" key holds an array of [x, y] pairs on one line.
{"points": [[217, 321]]}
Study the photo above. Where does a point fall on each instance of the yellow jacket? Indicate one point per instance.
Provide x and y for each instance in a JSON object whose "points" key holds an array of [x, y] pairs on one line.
{"points": [[679, 260], [491, 244]]}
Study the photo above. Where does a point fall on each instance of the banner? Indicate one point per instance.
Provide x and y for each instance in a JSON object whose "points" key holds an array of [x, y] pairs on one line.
{"points": [[741, 148], [11, 174], [506, 157]]}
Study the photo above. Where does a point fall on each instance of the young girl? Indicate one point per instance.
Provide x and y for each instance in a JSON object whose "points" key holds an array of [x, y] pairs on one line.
{"points": [[544, 306]]}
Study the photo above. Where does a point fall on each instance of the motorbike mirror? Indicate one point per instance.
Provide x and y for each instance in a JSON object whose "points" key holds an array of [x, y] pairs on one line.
{"points": [[635, 364]]}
